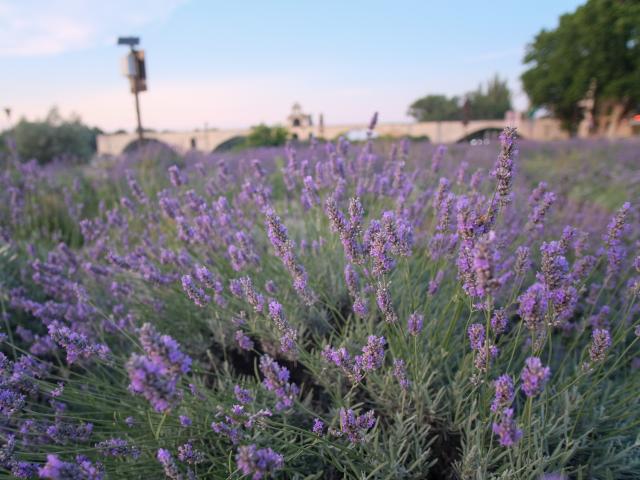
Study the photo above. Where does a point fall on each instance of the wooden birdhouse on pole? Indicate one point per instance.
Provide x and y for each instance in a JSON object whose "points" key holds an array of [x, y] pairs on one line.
{"points": [[134, 68]]}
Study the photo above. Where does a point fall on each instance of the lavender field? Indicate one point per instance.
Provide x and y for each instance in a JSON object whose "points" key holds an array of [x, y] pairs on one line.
{"points": [[324, 311]]}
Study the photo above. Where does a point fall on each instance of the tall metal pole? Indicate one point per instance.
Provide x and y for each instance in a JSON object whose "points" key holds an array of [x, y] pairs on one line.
{"points": [[140, 134], [135, 70], [135, 94]]}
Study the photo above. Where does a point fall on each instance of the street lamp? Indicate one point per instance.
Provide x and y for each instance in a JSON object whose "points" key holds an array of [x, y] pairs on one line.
{"points": [[133, 67]]}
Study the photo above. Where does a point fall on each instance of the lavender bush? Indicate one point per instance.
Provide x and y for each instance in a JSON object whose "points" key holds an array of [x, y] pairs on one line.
{"points": [[333, 311]]}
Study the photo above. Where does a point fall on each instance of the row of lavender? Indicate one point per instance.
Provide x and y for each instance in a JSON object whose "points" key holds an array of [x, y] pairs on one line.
{"points": [[336, 312]]}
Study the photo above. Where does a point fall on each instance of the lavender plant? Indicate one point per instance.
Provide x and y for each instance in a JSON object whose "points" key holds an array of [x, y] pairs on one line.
{"points": [[344, 311]]}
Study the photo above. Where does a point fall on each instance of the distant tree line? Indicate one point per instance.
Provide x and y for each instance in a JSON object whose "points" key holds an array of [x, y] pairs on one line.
{"points": [[52, 138], [485, 103]]}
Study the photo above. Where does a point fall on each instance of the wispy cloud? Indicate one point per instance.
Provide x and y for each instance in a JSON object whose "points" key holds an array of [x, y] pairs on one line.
{"points": [[32, 27]]}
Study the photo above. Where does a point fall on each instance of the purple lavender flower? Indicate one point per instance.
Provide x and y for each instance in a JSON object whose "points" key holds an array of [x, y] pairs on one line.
{"points": [[168, 464], [205, 277], [554, 265], [63, 433], [466, 270], [276, 380], [360, 306], [499, 321], [243, 341], [149, 379], [400, 372], [437, 157], [484, 356], [504, 393], [279, 238], [195, 293], [612, 239], [396, 234], [383, 299], [600, 344], [352, 280], [259, 463], [242, 395], [76, 344], [533, 306], [318, 426], [355, 426], [348, 231], [506, 429], [185, 421], [564, 301], [483, 265], [309, 196], [616, 226], [155, 375], [175, 175], [255, 299], [288, 334], [339, 223], [534, 376], [10, 402], [164, 350], [372, 354], [536, 218], [503, 170], [434, 283], [414, 323], [56, 469], [135, 188], [476, 335], [189, 455], [340, 356], [522, 262], [117, 447], [22, 469], [373, 122]]}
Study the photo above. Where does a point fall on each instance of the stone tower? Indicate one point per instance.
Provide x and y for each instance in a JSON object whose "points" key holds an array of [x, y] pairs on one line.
{"points": [[298, 119]]}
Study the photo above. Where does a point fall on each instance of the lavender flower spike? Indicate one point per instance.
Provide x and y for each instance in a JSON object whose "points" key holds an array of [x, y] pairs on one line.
{"points": [[506, 429], [600, 344], [504, 165], [259, 463], [534, 376], [195, 293], [504, 393]]}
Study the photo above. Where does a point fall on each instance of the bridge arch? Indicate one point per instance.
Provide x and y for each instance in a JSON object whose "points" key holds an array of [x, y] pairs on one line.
{"points": [[483, 134], [147, 143], [229, 144], [487, 133]]}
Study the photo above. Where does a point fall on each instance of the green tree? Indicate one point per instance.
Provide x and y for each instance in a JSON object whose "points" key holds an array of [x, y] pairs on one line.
{"points": [[54, 138], [492, 103], [596, 46], [435, 108], [265, 136], [480, 104]]}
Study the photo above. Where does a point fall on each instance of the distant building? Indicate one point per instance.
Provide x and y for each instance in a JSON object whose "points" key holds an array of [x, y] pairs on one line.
{"points": [[298, 119]]}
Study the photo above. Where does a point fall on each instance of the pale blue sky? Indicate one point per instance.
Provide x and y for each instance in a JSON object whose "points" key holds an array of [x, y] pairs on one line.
{"points": [[234, 64]]}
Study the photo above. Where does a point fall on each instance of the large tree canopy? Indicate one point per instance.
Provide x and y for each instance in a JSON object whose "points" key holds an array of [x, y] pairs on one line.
{"points": [[596, 46]]}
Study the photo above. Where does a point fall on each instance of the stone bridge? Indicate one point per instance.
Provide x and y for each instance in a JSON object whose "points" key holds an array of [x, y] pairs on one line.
{"points": [[437, 132]]}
